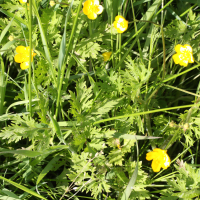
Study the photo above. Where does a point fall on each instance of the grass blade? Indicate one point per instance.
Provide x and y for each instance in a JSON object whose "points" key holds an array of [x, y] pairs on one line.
{"points": [[19, 103], [67, 52], [44, 42], [2, 86], [23, 188], [62, 51], [6, 47], [144, 113], [5, 30], [18, 20], [48, 168], [57, 129], [147, 17], [131, 183], [27, 153], [137, 137]]}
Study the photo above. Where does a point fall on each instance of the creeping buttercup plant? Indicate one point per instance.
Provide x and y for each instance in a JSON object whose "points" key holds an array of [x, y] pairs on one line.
{"points": [[103, 104]]}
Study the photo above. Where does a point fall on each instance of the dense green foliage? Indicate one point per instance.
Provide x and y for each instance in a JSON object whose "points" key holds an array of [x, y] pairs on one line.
{"points": [[76, 127]]}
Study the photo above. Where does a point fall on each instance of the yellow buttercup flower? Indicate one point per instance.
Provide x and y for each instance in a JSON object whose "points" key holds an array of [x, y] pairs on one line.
{"points": [[160, 159], [183, 55], [52, 3], [91, 8], [121, 24], [106, 56], [23, 1], [22, 56]]}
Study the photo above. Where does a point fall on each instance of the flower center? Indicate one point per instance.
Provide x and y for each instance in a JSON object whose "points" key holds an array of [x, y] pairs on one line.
{"points": [[94, 9]]}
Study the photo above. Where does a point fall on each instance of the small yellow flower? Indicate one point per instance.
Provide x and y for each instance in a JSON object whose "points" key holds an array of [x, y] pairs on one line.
{"points": [[52, 3], [11, 38], [183, 55], [121, 24], [22, 56], [160, 159], [91, 8], [106, 56], [23, 1]]}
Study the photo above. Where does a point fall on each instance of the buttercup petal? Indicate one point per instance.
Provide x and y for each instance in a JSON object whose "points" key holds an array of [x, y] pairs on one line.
{"points": [[23, 1], [117, 18], [166, 162], [121, 19], [20, 49], [191, 58], [106, 56], [115, 24], [183, 63], [176, 58], [87, 3], [158, 150], [178, 48], [156, 165], [96, 2], [85, 11], [121, 29], [92, 15], [18, 58], [150, 156], [24, 65], [188, 48], [100, 7]]}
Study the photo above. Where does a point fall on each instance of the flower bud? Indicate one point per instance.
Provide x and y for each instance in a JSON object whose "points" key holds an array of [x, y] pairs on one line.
{"points": [[11, 38], [52, 3]]}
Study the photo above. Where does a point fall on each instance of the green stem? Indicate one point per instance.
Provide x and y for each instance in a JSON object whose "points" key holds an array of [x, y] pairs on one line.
{"points": [[167, 4], [111, 35], [149, 130], [135, 25], [154, 92], [45, 45], [197, 151], [30, 55], [143, 113], [164, 52], [175, 76], [26, 12], [172, 139], [182, 90], [90, 32], [90, 27], [190, 8], [120, 49], [67, 53]]}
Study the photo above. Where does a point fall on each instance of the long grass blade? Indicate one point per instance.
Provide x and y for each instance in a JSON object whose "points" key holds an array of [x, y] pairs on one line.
{"points": [[47, 169], [21, 187], [18, 20], [132, 181], [62, 51], [6, 47], [44, 42], [57, 129], [143, 113], [19, 103], [67, 52], [5, 30]]}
